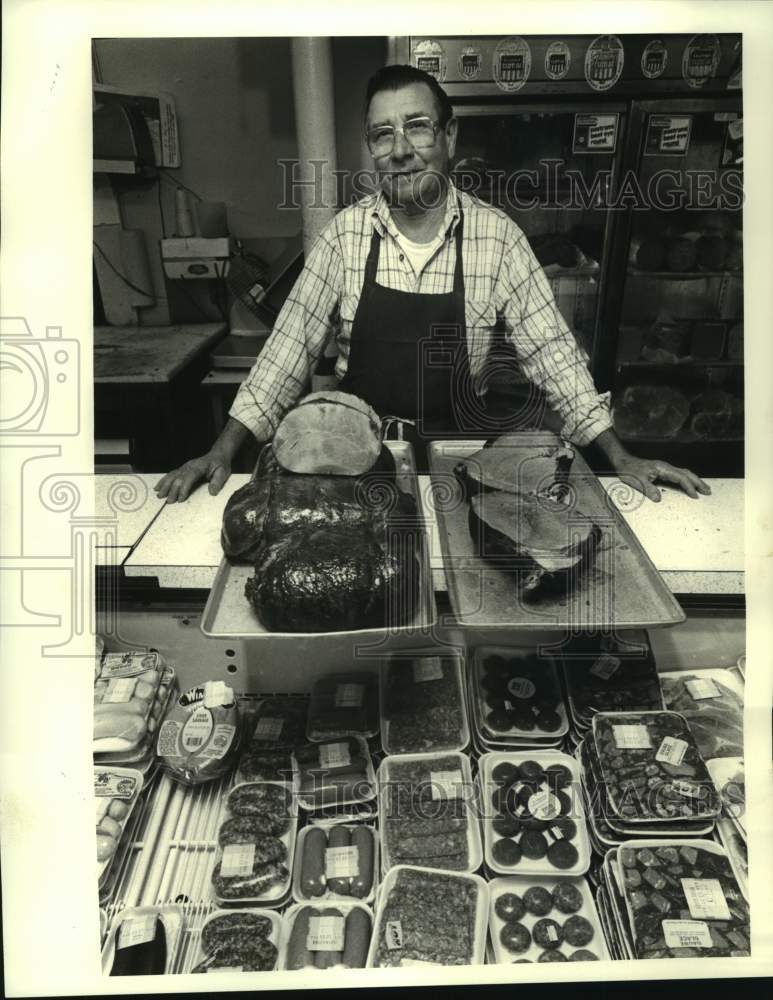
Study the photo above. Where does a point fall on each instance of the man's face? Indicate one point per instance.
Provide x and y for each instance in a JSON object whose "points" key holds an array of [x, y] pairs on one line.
{"points": [[408, 176]]}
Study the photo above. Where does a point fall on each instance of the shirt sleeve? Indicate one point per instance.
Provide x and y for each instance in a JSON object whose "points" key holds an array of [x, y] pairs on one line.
{"points": [[547, 351], [305, 322]]}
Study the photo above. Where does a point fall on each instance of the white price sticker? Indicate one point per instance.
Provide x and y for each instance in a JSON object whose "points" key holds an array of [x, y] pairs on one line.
{"points": [[342, 862], [325, 934], [635, 737], [686, 934], [701, 688], [430, 669], [544, 805], [334, 755], [446, 784], [349, 695], [119, 690], [393, 935], [705, 898], [521, 687], [237, 860], [268, 728], [217, 694], [137, 930], [605, 666], [671, 751], [557, 832], [552, 933]]}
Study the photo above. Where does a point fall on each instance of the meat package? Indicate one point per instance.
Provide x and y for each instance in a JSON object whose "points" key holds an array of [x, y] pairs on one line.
{"points": [[256, 842], [338, 862], [344, 704], [278, 725], [326, 937], [712, 703], [125, 692], [683, 900], [426, 916], [518, 694], [533, 817], [651, 768], [423, 706], [427, 812], [544, 920], [519, 517], [240, 941], [143, 941], [334, 547], [116, 791], [335, 773], [199, 739]]}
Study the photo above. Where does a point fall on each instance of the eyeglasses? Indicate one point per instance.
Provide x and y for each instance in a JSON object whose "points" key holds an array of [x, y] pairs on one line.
{"points": [[419, 132]]}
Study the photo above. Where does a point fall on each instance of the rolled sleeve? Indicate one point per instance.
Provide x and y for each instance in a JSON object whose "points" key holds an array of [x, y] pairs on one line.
{"points": [[546, 349], [305, 323]]}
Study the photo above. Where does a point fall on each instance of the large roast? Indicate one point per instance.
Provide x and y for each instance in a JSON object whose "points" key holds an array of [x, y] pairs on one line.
{"points": [[335, 551]]}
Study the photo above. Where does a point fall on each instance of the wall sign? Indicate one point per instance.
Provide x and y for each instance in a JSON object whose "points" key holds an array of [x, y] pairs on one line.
{"points": [[595, 133], [700, 60], [604, 62], [430, 56], [668, 135], [654, 59], [469, 63], [558, 59], [512, 64]]}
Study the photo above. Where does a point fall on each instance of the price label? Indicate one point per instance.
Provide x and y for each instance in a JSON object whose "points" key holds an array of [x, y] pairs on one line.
{"points": [[222, 737], [216, 694], [349, 695], [705, 898], [237, 860], [125, 664], [137, 930], [557, 832], [268, 728], [334, 755], [635, 737], [702, 688], [521, 687], [430, 669], [120, 690], [688, 790], [552, 933], [605, 666], [393, 934], [686, 934], [671, 751], [325, 934], [342, 862], [446, 784], [544, 805], [114, 785]]}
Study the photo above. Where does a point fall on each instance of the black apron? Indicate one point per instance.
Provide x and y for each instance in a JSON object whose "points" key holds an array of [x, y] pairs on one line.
{"points": [[408, 357]]}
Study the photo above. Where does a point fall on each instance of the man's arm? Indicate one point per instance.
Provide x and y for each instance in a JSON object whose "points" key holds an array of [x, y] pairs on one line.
{"points": [[214, 467], [641, 473]]}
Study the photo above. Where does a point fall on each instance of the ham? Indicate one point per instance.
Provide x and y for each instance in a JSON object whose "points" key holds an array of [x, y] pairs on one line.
{"points": [[507, 464]]}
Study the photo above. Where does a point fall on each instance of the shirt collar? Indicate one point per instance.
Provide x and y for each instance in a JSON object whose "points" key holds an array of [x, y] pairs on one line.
{"points": [[384, 223]]}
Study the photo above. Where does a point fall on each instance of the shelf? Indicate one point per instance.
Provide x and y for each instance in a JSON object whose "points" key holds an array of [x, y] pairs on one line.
{"points": [[114, 167], [634, 272], [684, 363]]}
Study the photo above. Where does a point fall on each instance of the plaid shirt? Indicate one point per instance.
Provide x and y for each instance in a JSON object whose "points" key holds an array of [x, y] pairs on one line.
{"points": [[503, 281]]}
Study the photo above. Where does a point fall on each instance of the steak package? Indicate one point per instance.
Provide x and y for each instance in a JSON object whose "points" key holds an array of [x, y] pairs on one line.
{"points": [[199, 738], [335, 773], [344, 704], [276, 728], [711, 703]]}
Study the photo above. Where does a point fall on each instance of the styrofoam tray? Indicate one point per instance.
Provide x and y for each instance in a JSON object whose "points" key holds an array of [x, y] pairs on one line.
{"points": [[367, 679], [527, 866], [724, 771], [488, 732], [276, 937], [328, 895], [309, 805], [735, 846], [343, 906], [464, 733], [518, 885], [481, 912], [172, 919]]}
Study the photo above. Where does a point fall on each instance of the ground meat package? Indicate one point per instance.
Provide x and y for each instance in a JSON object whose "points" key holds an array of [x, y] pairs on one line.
{"points": [[426, 917], [344, 704], [239, 941], [712, 703], [199, 738], [423, 705], [269, 737]]}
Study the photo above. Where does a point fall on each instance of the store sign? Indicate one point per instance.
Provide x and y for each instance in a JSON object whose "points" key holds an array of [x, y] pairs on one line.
{"points": [[700, 60], [668, 135], [469, 63], [429, 55], [604, 62], [512, 64], [654, 59], [595, 133], [558, 59]]}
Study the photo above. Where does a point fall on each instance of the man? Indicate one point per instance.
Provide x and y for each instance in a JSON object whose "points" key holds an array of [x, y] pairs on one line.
{"points": [[411, 283]]}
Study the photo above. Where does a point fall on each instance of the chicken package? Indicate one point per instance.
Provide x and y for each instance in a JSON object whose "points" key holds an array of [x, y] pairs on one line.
{"points": [[199, 738]]}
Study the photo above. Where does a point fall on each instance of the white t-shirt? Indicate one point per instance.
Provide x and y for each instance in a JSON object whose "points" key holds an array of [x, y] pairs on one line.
{"points": [[418, 253]]}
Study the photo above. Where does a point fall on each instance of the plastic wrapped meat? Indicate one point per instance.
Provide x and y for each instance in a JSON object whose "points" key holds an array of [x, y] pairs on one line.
{"points": [[715, 722], [650, 411]]}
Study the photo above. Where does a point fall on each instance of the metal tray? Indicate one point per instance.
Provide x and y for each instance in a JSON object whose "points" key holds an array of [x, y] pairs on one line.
{"points": [[228, 613], [623, 588]]}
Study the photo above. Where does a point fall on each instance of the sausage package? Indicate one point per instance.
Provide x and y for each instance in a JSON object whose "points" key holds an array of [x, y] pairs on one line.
{"points": [[322, 937], [125, 690], [340, 862], [239, 941], [199, 738]]}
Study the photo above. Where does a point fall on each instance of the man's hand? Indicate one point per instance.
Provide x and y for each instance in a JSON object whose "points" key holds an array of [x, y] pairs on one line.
{"points": [[642, 473], [178, 484]]}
